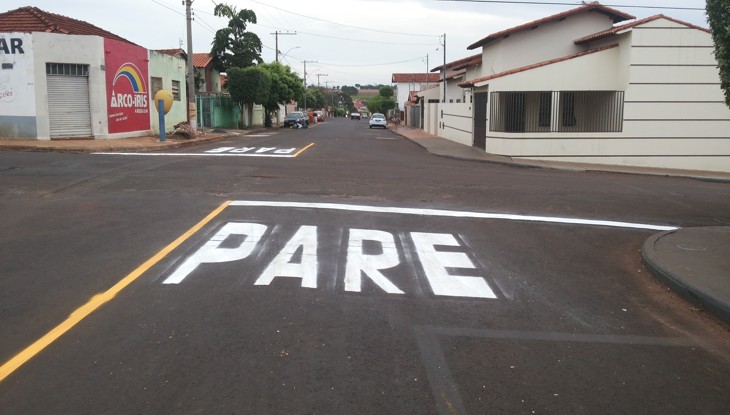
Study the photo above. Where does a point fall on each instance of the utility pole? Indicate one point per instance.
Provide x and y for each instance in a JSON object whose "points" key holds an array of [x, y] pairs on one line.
{"points": [[427, 71], [192, 112], [318, 75], [443, 72], [276, 37], [305, 81]]}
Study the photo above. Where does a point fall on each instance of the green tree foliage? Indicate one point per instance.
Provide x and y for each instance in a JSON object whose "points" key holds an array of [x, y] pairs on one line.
{"points": [[718, 17], [380, 104], [315, 98], [386, 91], [233, 46], [285, 86], [349, 90], [248, 86]]}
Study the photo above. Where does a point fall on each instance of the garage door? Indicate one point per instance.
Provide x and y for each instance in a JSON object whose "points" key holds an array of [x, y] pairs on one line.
{"points": [[68, 100]]}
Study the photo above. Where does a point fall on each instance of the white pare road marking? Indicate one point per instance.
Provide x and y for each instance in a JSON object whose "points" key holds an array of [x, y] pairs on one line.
{"points": [[299, 259], [290, 152], [452, 214]]}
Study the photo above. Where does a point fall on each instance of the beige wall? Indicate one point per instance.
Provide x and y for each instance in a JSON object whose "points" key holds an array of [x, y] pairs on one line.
{"points": [[547, 41]]}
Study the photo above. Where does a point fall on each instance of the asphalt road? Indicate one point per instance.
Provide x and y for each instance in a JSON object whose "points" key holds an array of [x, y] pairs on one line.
{"points": [[343, 270]]}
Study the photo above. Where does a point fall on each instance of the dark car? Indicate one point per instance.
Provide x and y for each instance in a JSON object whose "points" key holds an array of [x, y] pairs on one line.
{"points": [[295, 117]]}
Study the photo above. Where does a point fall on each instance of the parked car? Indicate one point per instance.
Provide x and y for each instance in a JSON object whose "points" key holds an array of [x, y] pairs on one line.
{"points": [[319, 115], [295, 117], [378, 120], [355, 116]]}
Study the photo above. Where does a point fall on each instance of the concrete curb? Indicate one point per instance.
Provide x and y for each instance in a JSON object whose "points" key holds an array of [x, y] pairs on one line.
{"points": [[698, 294]]}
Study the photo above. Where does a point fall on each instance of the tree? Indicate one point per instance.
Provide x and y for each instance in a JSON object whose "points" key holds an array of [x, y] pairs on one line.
{"points": [[718, 16], [349, 90], [381, 104], [199, 79], [315, 98], [386, 91], [248, 86], [233, 46], [285, 86]]}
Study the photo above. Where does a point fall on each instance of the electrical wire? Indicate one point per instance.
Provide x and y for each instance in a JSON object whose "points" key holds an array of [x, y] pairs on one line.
{"points": [[340, 24], [543, 3]]}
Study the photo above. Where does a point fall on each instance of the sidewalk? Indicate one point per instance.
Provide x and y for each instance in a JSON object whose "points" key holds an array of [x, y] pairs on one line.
{"points": [[135, 144], [694, 261]]}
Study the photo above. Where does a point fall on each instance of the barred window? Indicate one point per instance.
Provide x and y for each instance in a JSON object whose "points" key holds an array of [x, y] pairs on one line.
{"points": [[557, 111], [546, 109], [176, 90], [68, 69]]}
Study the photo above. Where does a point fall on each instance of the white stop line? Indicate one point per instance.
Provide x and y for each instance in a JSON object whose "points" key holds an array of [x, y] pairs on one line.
{"points": [[453, 214]]}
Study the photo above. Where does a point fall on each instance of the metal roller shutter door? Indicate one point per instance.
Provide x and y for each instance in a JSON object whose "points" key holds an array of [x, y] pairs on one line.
{"points": [[69, 110]]}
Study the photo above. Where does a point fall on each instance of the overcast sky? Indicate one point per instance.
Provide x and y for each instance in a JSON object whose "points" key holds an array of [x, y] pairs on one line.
{"points": [[353, 41]]}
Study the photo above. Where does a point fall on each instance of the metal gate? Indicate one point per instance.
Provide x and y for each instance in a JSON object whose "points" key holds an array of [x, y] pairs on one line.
{"points": [[69, 110], [480, 120], [414, 116]]}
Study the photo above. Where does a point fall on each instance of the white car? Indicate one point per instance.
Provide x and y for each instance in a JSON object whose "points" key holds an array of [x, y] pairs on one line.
{"points": [[378, 120]]}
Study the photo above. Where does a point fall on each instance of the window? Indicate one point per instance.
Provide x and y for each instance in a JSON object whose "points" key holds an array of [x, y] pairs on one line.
{"points": [[546, 109], [515, 104], [68, 69], [156, 85], [574, 111], [567, 102], [176, 90]]}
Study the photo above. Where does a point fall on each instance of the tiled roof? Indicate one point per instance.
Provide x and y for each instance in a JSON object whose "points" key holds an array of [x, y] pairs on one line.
{"points": [[415, 77], [616, 15], [536, 65], [461, 63], [32, 19], [201, 60], [617, 29]]}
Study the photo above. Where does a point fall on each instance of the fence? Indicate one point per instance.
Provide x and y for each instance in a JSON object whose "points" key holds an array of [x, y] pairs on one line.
{"points": [[217, 111]]}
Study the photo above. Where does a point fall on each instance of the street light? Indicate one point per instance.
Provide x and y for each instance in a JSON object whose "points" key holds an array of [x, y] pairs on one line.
{"points": [[287, 52]]}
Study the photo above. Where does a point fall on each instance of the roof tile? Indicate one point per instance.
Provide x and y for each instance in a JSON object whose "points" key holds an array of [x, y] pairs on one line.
{"points": [[415, 77], [32, 19]]}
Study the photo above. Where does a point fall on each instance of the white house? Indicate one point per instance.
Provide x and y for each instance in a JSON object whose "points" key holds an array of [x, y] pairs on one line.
{"points": [[458, 72], [405, 83], [577, 87]]}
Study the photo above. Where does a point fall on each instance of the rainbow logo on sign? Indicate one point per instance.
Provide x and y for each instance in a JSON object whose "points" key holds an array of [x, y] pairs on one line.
{"points": [[131, 72]]}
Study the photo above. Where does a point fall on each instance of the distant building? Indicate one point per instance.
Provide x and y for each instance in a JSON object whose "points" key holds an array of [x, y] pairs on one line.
{"points": [[405, 83]]}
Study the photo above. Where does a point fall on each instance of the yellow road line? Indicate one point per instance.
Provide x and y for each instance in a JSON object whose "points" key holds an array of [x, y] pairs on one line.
{"points": [[303, 150], [100, 299]]}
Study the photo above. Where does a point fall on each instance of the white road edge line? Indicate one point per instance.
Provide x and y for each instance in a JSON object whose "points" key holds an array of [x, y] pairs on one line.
{"points": [[451, 214]]}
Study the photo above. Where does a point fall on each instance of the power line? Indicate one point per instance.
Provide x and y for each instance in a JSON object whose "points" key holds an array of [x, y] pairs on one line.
{"points": [[168, 7], [543, 3], [372, 64], [367, 41], [339, 24]]}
